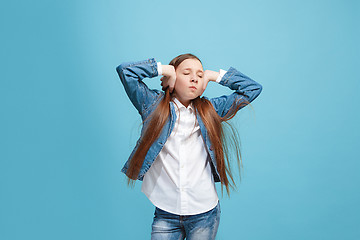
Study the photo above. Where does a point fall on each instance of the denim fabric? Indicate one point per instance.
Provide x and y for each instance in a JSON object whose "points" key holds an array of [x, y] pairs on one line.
{"points": [[146, 100], [168, 226]]}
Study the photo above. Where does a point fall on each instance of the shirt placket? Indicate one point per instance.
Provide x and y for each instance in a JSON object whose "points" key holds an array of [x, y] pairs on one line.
{"points": [[182, 162]]}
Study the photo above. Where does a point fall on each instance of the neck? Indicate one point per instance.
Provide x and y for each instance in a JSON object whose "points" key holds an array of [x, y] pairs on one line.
{"points": [[186, 103]]}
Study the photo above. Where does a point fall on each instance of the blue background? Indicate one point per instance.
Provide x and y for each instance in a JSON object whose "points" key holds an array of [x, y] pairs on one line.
{"points": [[67, 126]]}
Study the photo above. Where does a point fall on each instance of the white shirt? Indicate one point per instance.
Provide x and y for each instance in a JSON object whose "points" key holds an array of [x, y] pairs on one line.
{"points": [[180, 180]]}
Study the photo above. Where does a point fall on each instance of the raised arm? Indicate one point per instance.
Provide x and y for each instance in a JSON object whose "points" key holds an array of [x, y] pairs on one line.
{"points": [[245, 89], [131, 75]]}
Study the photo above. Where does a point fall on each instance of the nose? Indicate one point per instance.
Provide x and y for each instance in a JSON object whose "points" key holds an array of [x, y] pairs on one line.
{"points": [[194, 79]]}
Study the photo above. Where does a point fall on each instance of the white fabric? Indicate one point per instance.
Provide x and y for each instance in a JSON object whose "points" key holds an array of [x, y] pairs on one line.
{"points": [[180, 180], [159, 68], [222, 73]]}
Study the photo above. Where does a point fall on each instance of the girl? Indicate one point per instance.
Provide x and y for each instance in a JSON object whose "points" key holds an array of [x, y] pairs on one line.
{"points": [[181, 151]]}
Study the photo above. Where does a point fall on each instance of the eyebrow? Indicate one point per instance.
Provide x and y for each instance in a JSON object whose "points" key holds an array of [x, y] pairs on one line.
{"points": [[190, 69]]}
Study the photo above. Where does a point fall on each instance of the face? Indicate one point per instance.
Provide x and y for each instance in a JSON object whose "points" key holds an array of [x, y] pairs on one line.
{"points": [[189, 80]]}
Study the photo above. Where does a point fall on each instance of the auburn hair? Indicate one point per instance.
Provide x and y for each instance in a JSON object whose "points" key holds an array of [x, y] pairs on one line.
{"points": [[213, 123]]}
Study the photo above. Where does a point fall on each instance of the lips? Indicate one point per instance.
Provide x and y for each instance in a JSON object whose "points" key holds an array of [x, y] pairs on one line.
{"points": [[193, 87]]}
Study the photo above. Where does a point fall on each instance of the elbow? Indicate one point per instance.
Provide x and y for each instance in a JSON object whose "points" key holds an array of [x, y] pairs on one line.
{"points": [[260, 87], [258, 91], [119, 69], [255, 93]]}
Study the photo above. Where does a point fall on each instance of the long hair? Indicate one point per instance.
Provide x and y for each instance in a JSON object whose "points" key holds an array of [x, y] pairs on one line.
{"points": [[213, 123]]}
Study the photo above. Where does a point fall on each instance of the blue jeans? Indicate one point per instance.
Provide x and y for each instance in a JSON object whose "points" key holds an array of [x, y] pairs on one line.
{"points": [[168, 226]]}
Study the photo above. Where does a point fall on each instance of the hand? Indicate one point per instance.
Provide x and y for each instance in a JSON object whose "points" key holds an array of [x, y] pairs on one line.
{"points": [[169, 78], [168, 82], [208, 76]]}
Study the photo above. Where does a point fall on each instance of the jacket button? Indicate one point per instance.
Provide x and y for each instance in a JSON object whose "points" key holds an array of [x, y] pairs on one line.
{"points": [[211, 148]]}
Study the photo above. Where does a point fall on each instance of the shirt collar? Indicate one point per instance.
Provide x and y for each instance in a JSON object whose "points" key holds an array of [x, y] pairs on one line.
{"points": [[180, 105]]}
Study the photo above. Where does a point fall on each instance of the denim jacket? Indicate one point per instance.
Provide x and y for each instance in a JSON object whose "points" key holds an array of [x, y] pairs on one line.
{"points": [[146, 100]]}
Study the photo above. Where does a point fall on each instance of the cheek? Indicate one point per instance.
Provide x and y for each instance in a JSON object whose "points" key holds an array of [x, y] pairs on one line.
{"points": [[201, 81], [201, 84], [179, 83]]}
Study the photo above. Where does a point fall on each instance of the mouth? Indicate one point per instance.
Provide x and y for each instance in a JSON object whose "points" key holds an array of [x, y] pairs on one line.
{"points": [[193, 87]]}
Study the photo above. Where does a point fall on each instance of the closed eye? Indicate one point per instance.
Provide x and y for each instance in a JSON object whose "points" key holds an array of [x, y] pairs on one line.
{"points": [[188, 74]]}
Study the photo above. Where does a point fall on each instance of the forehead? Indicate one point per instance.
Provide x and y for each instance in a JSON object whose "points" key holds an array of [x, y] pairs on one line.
{"points": [[193, 64]]}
